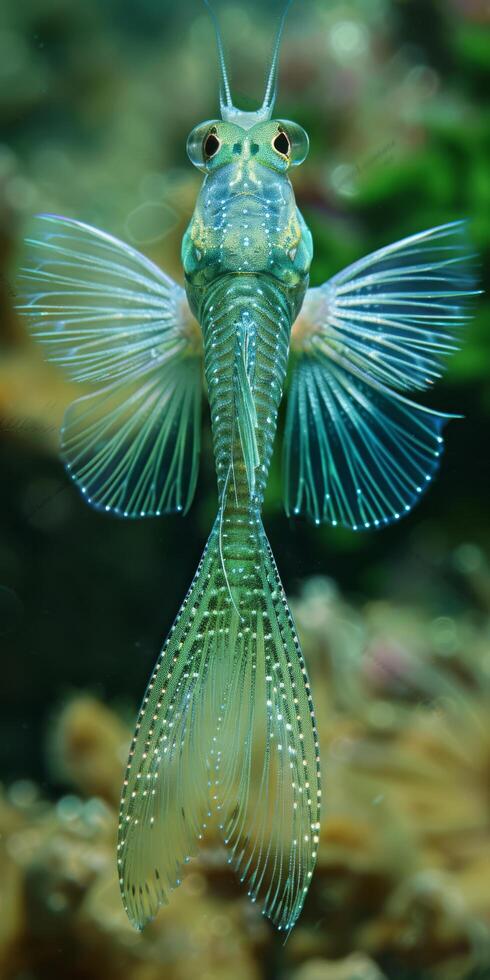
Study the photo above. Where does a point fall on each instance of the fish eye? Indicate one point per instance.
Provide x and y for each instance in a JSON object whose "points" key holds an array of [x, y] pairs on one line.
{"points": [[203, 143], [211, 144], [290, 141], [281, 143]]}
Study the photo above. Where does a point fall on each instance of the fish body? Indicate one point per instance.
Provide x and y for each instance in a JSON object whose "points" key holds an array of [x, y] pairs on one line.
{"points": [[227, 726], [246, 258]]}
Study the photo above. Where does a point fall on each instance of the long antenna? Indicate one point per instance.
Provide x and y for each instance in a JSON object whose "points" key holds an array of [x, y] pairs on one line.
{"points": [[271, 87], [225, 91], [229, 111]]}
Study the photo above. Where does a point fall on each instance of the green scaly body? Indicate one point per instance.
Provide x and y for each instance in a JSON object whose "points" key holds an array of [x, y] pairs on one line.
{"points": [[246, 256]]}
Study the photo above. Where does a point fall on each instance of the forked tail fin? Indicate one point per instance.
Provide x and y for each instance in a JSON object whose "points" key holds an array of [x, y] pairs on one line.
{"points": [[226, 725]]}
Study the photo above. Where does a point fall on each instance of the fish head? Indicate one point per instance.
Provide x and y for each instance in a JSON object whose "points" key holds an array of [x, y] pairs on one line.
{"points": [[248, 139], [246, 219]]}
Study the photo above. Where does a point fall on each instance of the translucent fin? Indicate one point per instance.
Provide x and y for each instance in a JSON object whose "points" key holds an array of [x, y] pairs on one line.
{"points": [[245, 407], [354, 454], [356, 451], [267, 776], [133, 448], [226, 726], [396, 314], [166, 798], [112, 319]]}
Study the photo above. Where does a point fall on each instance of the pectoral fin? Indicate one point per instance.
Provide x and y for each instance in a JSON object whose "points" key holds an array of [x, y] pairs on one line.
{"points": [[113, 320], [357, 452]]}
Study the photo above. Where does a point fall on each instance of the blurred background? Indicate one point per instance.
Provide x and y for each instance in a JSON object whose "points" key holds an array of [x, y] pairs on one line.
{"points": [[96, 101]]}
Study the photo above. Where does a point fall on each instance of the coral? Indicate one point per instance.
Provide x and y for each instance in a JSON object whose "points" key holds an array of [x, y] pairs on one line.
{"points": [[404, 856]]}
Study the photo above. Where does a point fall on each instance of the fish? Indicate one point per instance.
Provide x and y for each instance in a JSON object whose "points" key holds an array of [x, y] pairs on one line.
{"points": [[226, 730]]}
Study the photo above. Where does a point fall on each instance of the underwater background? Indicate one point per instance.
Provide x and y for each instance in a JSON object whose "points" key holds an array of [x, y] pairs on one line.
{"points": [[96, 100]]}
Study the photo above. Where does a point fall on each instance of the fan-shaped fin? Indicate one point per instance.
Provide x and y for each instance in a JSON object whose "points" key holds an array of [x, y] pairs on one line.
{"points": [[355, 455], [133, 448], [396, 314], [112, 319], [356, 451]]}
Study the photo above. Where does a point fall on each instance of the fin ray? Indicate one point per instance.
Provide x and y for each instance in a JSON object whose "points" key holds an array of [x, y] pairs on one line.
{"points": [[357, 452], [112, 319], [269, 787], [376, 313], [226, 726], [354, 454]]}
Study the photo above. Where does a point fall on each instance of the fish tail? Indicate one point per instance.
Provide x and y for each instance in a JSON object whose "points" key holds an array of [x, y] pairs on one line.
{"points": [[226, 730]]}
